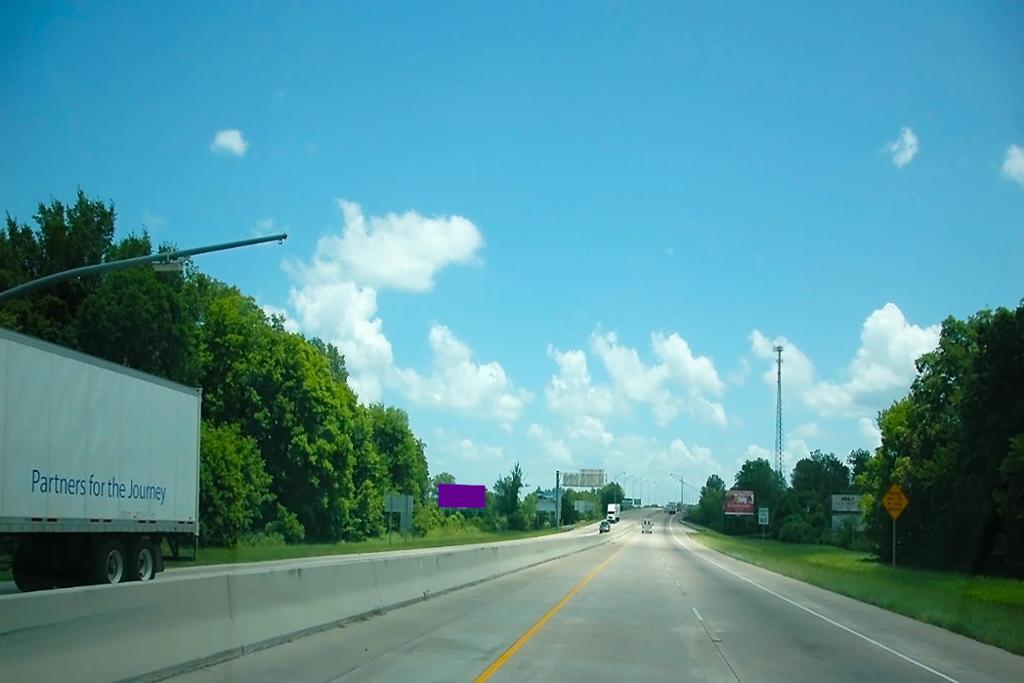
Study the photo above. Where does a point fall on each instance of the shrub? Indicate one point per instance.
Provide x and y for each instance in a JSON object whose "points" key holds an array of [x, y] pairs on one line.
{"points": [[797, 530], [287, 526]]}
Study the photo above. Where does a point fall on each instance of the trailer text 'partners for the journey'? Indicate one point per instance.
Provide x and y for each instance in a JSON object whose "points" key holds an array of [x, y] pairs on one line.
{"points": [[97, 488]]}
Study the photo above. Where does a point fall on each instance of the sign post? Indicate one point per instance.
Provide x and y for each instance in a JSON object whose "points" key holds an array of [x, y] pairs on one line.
{"points": [[895, 502], [762, 519]]}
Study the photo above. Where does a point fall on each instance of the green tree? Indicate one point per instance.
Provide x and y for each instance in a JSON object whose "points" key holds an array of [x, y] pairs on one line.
{"points": [[65, 237], [857, 463], [710, 507], [768, 486], [506, 491], [402, 452], [442, 478], [952, 444], [609, 493], [141, 318], [233, 485], [815, 479]]}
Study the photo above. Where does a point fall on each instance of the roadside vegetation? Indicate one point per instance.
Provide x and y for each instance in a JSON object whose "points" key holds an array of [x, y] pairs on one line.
{"points": [[987, 609], [955, 444], [289, 455]]}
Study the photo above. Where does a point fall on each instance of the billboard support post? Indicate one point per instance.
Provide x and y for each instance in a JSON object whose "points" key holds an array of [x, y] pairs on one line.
{"points": [[558, 500], [895, 502]]}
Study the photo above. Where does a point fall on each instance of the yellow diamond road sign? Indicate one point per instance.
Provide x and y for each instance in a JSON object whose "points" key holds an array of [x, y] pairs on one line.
{"points": [[895, 501]]}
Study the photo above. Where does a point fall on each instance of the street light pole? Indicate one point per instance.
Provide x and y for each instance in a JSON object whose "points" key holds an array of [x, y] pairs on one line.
{"points": [[159, 259]]}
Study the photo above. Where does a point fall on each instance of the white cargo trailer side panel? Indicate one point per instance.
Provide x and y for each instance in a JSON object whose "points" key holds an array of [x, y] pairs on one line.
{"points": [[88, 441]]}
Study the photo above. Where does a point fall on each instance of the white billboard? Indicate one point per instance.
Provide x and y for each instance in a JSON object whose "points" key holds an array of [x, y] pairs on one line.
{"points": [[846, 503], [586, 479]]}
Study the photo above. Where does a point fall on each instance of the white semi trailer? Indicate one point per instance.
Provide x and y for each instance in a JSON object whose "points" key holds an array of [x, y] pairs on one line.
{"points": [[99, 464]]}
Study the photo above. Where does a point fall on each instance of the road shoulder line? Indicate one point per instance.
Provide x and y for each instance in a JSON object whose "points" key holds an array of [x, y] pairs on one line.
{"points": [[835, 623]]}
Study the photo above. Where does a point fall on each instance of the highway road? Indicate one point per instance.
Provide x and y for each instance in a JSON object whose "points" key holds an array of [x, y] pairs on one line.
{"points": [[656, 607]]}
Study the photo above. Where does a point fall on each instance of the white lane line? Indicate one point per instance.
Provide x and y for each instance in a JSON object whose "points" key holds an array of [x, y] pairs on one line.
{"points": [[817, 614], [699, 617]]}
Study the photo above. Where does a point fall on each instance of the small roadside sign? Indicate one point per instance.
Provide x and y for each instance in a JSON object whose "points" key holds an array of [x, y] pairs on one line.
{"points": [[895, 501], [762, 516]]}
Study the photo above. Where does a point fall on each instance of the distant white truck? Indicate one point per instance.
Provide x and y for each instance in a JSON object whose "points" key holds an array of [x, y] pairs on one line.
{"points": [[613, 512], [98, 465]]}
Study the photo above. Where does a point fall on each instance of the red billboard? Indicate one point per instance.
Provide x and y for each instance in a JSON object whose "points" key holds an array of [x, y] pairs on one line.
{"points": [[739, 502]]}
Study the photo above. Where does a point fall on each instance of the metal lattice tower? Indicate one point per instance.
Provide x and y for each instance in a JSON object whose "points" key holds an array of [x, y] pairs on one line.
{"points": [[780, 458]]}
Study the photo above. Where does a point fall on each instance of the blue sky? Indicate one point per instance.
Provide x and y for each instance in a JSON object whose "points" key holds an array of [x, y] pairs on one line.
{"points": [[565, 234]]}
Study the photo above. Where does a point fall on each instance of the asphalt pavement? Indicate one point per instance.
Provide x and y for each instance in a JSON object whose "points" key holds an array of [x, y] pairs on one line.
{"points": [[648, 607]]}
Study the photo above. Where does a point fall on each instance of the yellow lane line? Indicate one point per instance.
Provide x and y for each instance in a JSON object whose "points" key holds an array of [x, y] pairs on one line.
{"points": [[535, 629]]}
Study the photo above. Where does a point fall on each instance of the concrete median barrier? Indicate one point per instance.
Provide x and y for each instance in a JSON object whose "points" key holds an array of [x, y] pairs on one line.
{"points": [[132, 631]]}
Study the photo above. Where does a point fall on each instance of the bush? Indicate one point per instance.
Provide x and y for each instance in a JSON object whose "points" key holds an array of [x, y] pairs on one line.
{"points": [[287, 526], [517, 521], [846, 534], [797, 530], [258, 539], [233, 484]]}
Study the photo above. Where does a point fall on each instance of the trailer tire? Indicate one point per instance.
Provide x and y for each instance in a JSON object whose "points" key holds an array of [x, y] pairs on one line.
{"points": [[141, 560], [108, 562]]}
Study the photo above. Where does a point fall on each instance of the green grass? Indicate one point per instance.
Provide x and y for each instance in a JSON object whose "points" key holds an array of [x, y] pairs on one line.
{"points": [[987, 609], [435, 538]]}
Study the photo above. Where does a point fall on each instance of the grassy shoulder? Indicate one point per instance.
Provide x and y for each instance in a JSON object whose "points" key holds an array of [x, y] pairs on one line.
{"points": [[987, 609], [435, 538]]}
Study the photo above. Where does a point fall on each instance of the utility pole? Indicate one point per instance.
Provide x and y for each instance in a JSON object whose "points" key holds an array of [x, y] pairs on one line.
{"points": [[558, 500], [780, 458], [161, 261]]}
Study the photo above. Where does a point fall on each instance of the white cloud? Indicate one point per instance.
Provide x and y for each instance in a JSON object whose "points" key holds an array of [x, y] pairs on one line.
{"points": [[870, 431], [904, 148], [739, 375], [797, 369], [754, 452], [289, 323], [692, 372], [466, 449], [796, 449], [571, 392], [399, 251], [555, 448], [1013, 164], [458, 383], [335, 297], [692, 455], [882, 368], [345, 314], [806, 430], [230, 141], [638, 382], [589, 428]]}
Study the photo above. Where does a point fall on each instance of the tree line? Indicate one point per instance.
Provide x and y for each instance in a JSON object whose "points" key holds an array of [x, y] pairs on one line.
{"points": [[287, 454], [955, 445], [287, 451], [507, 509]]}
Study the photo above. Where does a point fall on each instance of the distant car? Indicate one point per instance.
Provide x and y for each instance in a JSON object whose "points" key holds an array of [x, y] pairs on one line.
{"points": [[647, 526], [605, 526]]}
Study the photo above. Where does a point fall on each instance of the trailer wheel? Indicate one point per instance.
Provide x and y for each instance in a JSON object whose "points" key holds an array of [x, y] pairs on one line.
{"points": [[108, 562], [141, 560]]}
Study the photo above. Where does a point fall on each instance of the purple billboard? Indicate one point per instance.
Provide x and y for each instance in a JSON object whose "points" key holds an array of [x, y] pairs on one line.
{"points": [[461, 496]]}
